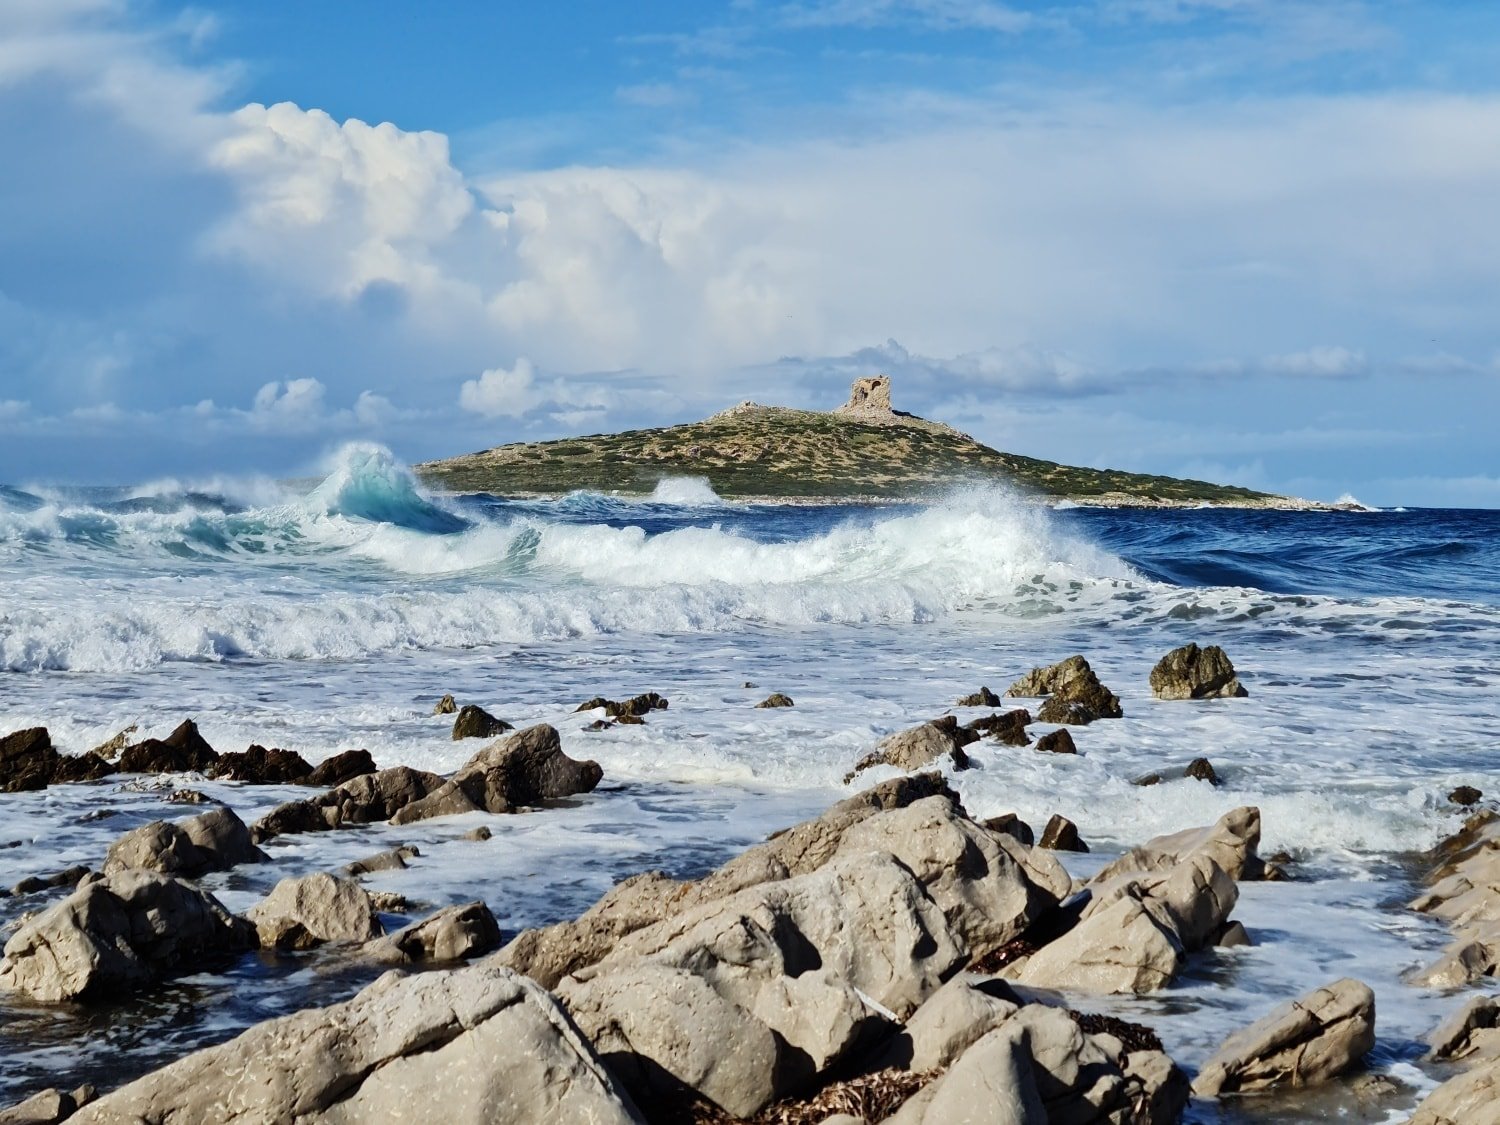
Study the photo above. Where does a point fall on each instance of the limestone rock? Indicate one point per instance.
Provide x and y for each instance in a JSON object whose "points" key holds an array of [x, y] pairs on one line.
{"points": [[476, 722], [185, 750], [869, 397], [984, 697], [919, 746], [262, 766], [527, 768], [955, 1017], [400, 1051], [992, 1084], [1472, 1098], [1057, 742], [306, 912], [110, 748], [213, 841], [1006, 727], [1300, 1043], [1231, 841], [775, 699], [446, 706], [1013, 826], [118, 932], [1472, 1030], [1061, 835], [392, 860], [1076, 694], [45, 1108], [452, 934], [34, 884], [1191, 672], [1123, 947], [361, 800], [341, 768]]}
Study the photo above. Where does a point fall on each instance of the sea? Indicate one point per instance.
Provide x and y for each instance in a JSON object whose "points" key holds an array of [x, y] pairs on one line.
{"points": [[332, 615]]}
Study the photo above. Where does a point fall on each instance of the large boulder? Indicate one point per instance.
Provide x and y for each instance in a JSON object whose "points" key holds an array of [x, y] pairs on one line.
{"points": [[1124, 946], [404, 1049], [452, 934], [262, 766], [1299, 1043], [185, 750], [1231, 842], [919, 746], [1465, 893], [1471, 1098], [1191, 672], [475, 722], [318, 908], [213, 841], [527, 768], [27, 760], [119, 932], [993, 1083], [1076, 694], [340, 768], [1471, 1032], [364, 799]]}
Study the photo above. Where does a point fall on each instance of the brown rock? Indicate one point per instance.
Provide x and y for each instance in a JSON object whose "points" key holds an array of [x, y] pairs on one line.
{"points": [[1013, 826], [27, 760], [919, 746], [1074, 689], [1057, 742], [476, 722], [1061, 835], [1007, 727], [213, 841], [452, 934], [262, 766], [1191, 672], [776, 699], [1465, 795], [182, 751], [446, 706], [306, 912], [1201, 769], [360, 800], [341, 768], [984, 697]]}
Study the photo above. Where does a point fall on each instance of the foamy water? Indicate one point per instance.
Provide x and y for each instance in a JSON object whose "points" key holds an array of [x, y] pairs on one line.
{"points": [[332, 619]]}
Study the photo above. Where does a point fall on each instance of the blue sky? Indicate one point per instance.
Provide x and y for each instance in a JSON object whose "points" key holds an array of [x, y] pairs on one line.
{"points": [[1251, 240]]}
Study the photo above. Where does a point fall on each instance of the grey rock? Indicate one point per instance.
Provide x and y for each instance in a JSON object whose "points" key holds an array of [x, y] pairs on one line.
{"points": [[454, 933], [1191, 672], [318, 908], [213, 841]]}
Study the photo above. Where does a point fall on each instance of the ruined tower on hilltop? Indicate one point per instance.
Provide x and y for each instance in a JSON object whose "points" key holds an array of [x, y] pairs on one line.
{"points": [[869, 399]]}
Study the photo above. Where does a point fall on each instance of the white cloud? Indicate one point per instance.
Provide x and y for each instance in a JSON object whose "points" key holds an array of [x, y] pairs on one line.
{"points": [[946, 15], [502, 392], [1320, 362], [296, 404], [12, 408]]}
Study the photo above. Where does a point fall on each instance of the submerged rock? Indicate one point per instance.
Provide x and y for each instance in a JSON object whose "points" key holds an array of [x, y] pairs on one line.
{"points": [[35, 884], [451, 934], [446, 706], [1201, 769], [984, 697], [634, 707], [318, 908], [1007, 727], [476, 722], [1300, 1043], [1057, 742], [341, 768], [392, 860], [261, 766], [404, 1049], [919, 746], [185, 750], [118, 932], [361, 800], [1465, 796], [1191, 672], [775, 699]]}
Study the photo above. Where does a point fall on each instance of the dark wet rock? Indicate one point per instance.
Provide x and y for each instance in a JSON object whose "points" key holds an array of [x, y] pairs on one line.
{"points": [[313, 910], [1005, 727], [594, 704], [635, 707], [1302, 1042], [1191, 672], [629, 719], [262, 766], [775, 699], [1066, 712], [452, 934], [341, 768], [185, 750], [84, 767], [1148, 779], [1013, 826], [1465, 795], [91, 816], [476, 722], [1231, 935], [1057, 742], [188, 797], [212, 841], [118, 932], [27, 760], [747, 685], [34, 884], [393, 860], [446, 706], [919, 746], [478, 834], [984, 697], [364, 799], [1061, 835], [598, 725], [110, 749], [1076, 695], [1201, 769], [527, 768], [463, 1046]]}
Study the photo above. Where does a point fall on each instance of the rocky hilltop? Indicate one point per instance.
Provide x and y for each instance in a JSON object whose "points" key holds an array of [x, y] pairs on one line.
{"points": [[865, 449]]}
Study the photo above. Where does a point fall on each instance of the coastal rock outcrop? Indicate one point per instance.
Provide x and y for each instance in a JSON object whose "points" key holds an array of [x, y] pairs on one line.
{"points": [[340, 768], [29, 761], [213, 841], [1471, 1098], [1074, 693], [1191, 672], [261, 766], [527, 768], [445, 706], [1300, 1043], [360, 800], [475, 722], [1057, 742], [318, 908], [1465, 893], [403, 1046], [1232, 842], [632, 708], [118, 932], [185, 750], [919, 746], [454, 933], [984, 697], [774, 700], [1471, 1032], [1006, 727]]}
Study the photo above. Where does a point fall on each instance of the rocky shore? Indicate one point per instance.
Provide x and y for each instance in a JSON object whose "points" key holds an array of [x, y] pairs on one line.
{"points": [[892, 959]]}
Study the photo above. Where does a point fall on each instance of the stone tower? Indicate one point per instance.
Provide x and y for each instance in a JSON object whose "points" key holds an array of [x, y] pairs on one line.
{"points": [[869, 398]]}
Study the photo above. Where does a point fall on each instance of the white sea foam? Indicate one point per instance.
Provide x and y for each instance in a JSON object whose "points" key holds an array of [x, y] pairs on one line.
{"points": [[685, 492]]}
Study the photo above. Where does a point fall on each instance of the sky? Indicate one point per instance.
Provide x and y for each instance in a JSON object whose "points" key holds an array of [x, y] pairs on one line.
{"points": [[1252, 241]]}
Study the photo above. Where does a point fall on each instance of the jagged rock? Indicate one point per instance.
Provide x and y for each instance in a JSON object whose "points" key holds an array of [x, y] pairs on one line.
{"points": [[404, 1049], [34, 884], [306, 912], [188, 797], [361, 800], [183, 751], [775, 699], [1013, 826], [1061, 835], [953, 1019], [476, 722], [389, 902], [782, 965], [27, 760], [527, 768], [1076, 694], [1057, 742], [598, 725], [46, 1108], [84, 767], [1472, 1098], [118, 932], [991, 1084], [919, 746], [630, 719], [111, 747], [446, 706], [1465, 795], [213, 841], [1231, 935], [1121, 948], [393, 860], [261, 766], [1300, 1043], [341, 768], [1008, 727], [984, 697], [633, 708], [1231, 841], [547, 955], [1201, 769], [1473, 1030], [452, 934], [1191, 672]]}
